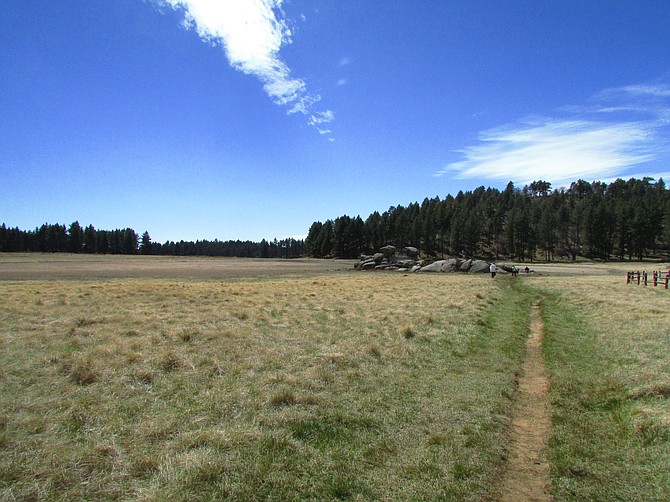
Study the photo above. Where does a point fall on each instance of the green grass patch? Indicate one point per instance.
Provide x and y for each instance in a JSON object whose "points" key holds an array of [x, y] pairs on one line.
{"points": [[607, 353]]}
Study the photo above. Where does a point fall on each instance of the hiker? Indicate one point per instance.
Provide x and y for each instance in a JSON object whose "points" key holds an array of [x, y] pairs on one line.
{"points": [[493, 270]]}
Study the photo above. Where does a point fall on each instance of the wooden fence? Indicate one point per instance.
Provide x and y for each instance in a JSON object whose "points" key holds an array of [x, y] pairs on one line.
{"points": [[657, 277]]}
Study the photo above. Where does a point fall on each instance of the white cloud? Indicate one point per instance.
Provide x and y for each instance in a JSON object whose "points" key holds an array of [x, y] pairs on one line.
{"points": [[563, 150], [650, 90], [252, 32], [317, 119]]}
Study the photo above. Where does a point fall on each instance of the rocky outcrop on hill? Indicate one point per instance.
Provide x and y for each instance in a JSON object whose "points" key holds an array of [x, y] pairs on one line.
{"points": [[408, 261]]}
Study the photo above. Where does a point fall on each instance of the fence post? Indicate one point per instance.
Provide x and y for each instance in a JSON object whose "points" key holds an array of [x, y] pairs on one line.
{"points": [[638, 277]]}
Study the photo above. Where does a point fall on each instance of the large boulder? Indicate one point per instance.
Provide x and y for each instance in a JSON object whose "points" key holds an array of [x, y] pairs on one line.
{"points": [[411, 251], [404, 262], [466, 266], [436, 266], [479, 266], [388, 251], [452, 265], [367, 265], [378, 257]]}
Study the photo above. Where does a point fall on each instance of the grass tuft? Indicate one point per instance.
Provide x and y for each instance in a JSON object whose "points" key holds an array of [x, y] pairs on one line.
{"points": [[375, 351], [83, 372], [188, 334], [171, 361], [285, 397]]}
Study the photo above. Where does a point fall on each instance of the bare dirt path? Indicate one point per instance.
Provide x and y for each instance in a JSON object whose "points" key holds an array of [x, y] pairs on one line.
{"points": [[527, 475]]}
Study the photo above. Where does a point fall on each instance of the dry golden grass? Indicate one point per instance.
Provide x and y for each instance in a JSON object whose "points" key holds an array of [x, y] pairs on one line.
{"points": [[327, 386], [629, 321], [322, 385]]}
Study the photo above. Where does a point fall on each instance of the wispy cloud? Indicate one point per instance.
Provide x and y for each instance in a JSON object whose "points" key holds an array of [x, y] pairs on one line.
{"points": [[318, 119], [252, 33], [588, 144]]}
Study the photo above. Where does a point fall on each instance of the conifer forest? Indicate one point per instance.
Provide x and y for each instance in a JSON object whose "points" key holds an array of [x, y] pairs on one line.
{"points": [[622, 220]]}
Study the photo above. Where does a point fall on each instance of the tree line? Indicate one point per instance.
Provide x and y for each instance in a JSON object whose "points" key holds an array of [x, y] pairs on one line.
{"points": [[58, 238], [623, 220]]}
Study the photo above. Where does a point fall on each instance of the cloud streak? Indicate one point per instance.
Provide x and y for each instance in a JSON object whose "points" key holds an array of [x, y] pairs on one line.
{"points": [[584, 145], [252, 33]]}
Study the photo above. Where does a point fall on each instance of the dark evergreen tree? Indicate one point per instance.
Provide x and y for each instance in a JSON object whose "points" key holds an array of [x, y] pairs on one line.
{"points": [[90, 239], [145, 243], [75, 238], [264, 249], [312, 244], [325, 239]]}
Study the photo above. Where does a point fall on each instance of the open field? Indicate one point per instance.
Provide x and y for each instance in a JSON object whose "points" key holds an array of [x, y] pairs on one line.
{"points": [[311, 382], [50, 266]]}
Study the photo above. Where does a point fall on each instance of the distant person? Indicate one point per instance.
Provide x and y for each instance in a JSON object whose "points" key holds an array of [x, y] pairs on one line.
{"points": [[493, 269], [526, 270], [515, 271]]}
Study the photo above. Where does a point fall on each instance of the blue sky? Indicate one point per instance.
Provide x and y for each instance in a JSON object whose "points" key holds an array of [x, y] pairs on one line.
{"points": [[205, 119]]}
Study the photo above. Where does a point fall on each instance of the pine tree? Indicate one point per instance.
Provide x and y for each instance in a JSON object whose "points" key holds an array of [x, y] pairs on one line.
{"points": [[75, 238], [145, 243]]}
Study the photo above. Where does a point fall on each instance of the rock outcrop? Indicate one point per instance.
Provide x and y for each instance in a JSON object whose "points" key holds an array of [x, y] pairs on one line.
{"points": [[408, 261]]}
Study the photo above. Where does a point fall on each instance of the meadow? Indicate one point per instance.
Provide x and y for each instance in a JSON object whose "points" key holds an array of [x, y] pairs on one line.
{"points": [[320, 383]]}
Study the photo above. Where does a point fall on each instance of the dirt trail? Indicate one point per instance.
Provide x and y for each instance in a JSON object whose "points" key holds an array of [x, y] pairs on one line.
{"points": [[527, 475]]}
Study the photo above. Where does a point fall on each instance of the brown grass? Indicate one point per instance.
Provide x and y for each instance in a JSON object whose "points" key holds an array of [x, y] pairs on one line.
{"points": [[163, 388]]}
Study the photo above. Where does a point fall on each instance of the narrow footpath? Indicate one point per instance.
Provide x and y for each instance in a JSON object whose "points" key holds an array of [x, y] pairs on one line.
{"points": [[527, 474]]}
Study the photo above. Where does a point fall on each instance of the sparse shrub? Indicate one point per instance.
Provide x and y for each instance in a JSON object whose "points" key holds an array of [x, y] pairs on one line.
{"points": [[408, 332]]}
